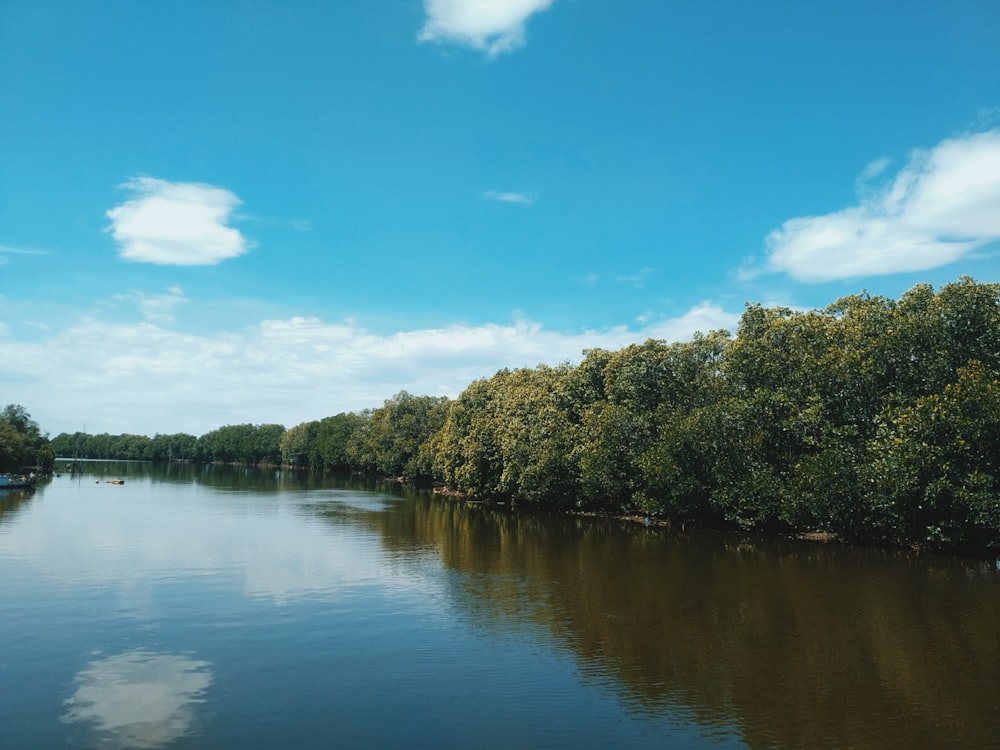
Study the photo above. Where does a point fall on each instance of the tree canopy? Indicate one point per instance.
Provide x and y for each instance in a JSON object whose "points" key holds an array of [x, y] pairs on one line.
{"points": [[22, 443]]}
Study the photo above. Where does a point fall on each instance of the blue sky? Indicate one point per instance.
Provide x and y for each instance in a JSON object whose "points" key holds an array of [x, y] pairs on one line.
{"points": [[225, 212]]}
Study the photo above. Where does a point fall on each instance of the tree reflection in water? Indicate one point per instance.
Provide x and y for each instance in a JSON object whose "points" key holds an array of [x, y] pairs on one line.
{"points": [[798, 644]]}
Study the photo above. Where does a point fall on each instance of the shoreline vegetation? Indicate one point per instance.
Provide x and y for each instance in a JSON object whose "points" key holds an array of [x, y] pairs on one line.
{"points": [[873, 421]]}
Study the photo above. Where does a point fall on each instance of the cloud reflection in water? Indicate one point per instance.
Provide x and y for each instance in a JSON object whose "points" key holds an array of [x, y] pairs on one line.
{"points": [[138, 699]]}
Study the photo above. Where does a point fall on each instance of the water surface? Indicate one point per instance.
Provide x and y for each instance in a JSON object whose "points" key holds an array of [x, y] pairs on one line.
{"points": [[207, 607]]}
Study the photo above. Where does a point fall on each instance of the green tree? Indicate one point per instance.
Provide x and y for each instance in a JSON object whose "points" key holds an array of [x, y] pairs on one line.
{"points": [[16, 449], [338, 439], [21, 440], [650, 389], [245, 443], [466, 451], [536, 437], [176, 447], [395, 439], [18, 417], [936, 468]]}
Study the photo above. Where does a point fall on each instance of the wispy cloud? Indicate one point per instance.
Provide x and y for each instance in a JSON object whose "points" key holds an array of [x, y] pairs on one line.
{"points": [[493, 26], [8, 250], [941, 206], [638, 280], [866, 186], [144, 378], [20, 251], [525, 199], [176, 223], [155, 307]]}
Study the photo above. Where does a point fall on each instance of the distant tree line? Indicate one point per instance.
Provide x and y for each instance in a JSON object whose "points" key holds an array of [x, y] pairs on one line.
{"points": [[245, 443], [877, 420]]}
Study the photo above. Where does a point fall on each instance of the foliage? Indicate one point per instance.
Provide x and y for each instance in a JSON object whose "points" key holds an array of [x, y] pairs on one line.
{"points": [[465, 451], [244, 443], [936, 473], [392, 441], [22, 443], [874, 419]]}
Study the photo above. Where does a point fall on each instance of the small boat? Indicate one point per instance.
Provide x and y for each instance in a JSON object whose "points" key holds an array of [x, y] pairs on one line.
{"points": [[116, 481], [8, 482]]}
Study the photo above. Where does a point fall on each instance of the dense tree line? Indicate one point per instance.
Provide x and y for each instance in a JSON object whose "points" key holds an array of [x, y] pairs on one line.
{"points": [[874, 419]]}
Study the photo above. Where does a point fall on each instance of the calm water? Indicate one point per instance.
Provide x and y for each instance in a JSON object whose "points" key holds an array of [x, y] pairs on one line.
{"points": [[199, 607]]}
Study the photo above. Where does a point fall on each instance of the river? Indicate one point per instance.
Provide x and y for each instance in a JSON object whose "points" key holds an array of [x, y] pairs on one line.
{"points": [[213, 607]]}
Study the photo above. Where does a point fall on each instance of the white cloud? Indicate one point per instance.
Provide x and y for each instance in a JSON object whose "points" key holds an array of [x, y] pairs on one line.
{"points": [[525, 199], [941, 206], [494, 26], [705, 317], [176, 223], [142, 378]]}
